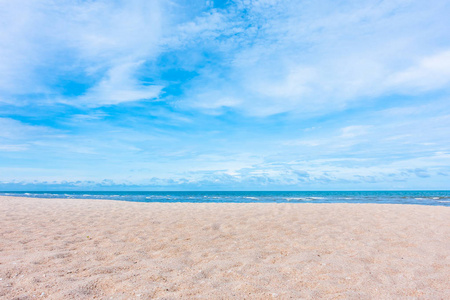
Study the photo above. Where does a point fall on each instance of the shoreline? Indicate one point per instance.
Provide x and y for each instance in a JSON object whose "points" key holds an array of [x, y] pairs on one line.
{"points": [[439, 198], [79, 248]]}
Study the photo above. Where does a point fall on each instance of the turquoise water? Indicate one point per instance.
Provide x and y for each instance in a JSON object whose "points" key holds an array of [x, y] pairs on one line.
{"points": [[441, 198]]}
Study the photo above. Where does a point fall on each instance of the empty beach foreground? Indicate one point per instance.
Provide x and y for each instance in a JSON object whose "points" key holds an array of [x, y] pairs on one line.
{"points": [[86, 249]]}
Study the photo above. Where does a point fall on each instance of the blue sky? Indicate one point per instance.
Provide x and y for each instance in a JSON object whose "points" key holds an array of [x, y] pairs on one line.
{"points": [[224, 95]]}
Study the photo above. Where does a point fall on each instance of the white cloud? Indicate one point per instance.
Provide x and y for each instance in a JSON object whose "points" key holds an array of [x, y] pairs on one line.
{"points": [[15, 130], [16, 136], [430, 73], [13, 148], [315, 58], [119, 85], [354, 131], [278, 56], [41, 41]]}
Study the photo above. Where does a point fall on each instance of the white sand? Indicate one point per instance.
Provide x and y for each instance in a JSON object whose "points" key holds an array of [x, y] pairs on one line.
{"points": [[74, 249]]}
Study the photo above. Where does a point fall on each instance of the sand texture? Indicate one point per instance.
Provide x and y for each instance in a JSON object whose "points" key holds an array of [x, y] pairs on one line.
{"points": [[86, 249]]}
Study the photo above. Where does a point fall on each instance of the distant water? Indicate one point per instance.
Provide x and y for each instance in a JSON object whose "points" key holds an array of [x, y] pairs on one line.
{"points": [[441, 198]]}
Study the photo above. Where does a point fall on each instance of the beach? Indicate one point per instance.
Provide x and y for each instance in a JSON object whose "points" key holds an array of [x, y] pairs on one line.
{"points": [[103, 249]]}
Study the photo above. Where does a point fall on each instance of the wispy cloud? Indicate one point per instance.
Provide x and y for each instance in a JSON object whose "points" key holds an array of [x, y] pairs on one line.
{"points": [[297, 57], [15, 130], [117, 86], [45, 46], [430, 73]]}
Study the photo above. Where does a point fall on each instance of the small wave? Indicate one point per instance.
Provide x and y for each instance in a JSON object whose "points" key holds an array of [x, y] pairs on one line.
{"points": [[299, 199], [255, 198]]}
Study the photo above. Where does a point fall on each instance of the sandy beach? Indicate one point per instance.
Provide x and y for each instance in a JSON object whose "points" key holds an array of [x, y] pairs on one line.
{"points": [[85, 249]]}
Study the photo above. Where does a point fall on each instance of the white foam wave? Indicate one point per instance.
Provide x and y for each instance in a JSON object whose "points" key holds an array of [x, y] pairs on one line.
{"points": [[299, 199]]}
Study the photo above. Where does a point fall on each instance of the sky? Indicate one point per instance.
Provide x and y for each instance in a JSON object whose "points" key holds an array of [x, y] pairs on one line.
{"points": [[224, 95]]}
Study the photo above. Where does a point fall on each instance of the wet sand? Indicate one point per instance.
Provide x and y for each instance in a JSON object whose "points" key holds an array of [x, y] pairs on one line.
{"points": [[85, 249]]}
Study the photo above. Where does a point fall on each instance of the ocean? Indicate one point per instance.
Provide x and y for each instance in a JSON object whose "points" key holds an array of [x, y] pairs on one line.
{"points": [[435, 198]]}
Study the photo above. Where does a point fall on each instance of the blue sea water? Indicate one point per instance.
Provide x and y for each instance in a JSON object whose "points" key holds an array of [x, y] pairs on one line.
{"points": [[435, 198]]}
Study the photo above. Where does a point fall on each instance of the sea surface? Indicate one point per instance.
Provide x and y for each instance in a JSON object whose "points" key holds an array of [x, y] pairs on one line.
{"points": [[440, 198]]}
